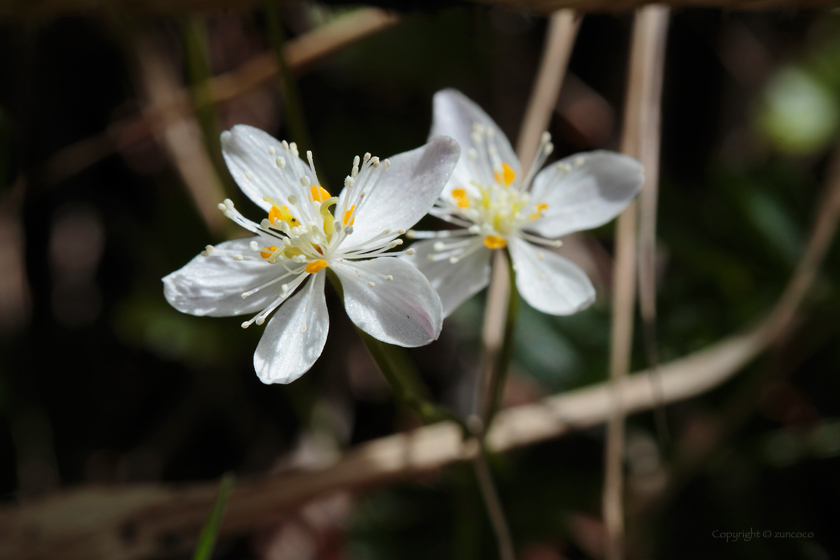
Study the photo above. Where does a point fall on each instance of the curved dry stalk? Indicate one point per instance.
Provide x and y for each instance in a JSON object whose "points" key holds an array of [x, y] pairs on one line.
{"points": [[137, 521], [641, 140], [300, 53]]}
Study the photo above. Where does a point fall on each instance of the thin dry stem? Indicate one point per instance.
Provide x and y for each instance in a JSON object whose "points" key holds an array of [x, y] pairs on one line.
{"points": [[560, 38], [301, 52], [640, 139], [181, 137], [555, 58], [27, 10]]}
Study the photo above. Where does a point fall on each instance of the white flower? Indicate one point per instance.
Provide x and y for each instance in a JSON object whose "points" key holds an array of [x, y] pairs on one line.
{"points": [[307, 231], [495, 206]]}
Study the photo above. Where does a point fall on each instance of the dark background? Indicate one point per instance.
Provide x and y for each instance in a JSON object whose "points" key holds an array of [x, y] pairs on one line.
{"points": [[102, 382]]}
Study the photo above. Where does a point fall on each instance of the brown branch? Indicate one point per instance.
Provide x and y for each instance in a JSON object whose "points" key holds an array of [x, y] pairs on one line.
{"points": [[27, 10], [641, 140], [143, 520], [546, 7], [181, 137], [300, 53]]}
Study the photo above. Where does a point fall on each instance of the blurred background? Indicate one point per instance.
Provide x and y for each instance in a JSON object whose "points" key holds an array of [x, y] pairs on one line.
{"points": [[110, 171]]}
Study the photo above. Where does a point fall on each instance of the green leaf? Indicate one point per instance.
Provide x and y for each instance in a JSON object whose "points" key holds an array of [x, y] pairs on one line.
{"points": [[211, 529]]}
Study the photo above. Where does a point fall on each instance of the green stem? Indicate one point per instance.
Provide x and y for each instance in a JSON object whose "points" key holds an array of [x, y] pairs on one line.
{"points": [[398, 370], [493, 505], [288, 85], [207, 540], [498, 375]]}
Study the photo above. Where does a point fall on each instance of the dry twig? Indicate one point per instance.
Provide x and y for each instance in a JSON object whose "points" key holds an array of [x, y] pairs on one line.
{"points": [[640, 140], [300, 52], [562, 31]]}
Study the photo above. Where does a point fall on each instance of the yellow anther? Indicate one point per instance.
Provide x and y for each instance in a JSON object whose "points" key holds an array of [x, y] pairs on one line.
{"points": [[541, 207], [282, 213], [267, 251], [319, 193], [316, 266], [460, 196], [506, 176], [495, 242], [349, 216]]}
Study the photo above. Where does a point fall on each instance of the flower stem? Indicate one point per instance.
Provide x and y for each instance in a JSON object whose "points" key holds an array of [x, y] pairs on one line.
{"points": [[499, 369], [398, 370], [494, 370], [493, 505], [288, 86]]}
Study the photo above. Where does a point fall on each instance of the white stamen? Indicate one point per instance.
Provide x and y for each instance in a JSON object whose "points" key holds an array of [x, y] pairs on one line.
{"points": [[281, 162], [371, 284], [271, 150]]}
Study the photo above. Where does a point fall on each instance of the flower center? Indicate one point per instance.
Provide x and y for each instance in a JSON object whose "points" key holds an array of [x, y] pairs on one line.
{"points": [[315, 227], [496, 208], [496, 200]]}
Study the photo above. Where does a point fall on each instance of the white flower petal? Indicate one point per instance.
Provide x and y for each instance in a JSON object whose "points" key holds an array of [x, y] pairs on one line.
{"points": [[548, 282], [295, 336], [248, 154], [454, 115], [214, 285], [594, 190], [454, 283], [407, 190], [404, 310]]}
